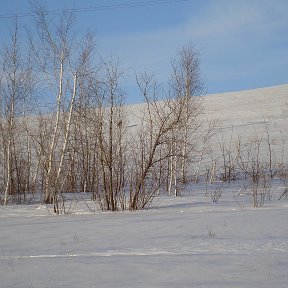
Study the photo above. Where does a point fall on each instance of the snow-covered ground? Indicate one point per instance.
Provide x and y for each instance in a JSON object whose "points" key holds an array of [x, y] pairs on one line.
{"points": [[187, 241], [180, 242]]}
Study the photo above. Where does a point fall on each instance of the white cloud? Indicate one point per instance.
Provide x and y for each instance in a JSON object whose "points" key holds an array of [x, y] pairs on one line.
{"points": [[231, 36]]}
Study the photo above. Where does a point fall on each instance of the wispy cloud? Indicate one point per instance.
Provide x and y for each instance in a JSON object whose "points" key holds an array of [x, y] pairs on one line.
{"points": [[235, 39]]}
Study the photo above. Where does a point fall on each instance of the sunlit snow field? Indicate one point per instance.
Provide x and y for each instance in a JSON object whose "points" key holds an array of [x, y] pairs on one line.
{"points": [[180, 242], [187, 241]]}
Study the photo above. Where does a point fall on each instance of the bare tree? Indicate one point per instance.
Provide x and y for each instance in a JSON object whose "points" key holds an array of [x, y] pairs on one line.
{"points": [[228, 158], [62, 62], [252, 164], [16, 88], [186, 84], [151, 147], [110, 137]]}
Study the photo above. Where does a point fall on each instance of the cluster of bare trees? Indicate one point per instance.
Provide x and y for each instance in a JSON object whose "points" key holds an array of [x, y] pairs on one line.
{"points": [[16, 85], [83, 142], [253, 163]]}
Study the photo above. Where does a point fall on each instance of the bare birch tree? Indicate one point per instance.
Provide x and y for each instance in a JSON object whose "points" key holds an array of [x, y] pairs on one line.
{"points": [[17, 84], [186, 86], [62, 62]]}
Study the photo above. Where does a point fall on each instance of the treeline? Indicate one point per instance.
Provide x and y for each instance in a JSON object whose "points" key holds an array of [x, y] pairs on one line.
{"points": [[83, 142]]}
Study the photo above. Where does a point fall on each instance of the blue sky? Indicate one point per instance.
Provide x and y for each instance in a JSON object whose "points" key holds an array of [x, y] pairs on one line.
{"points": [[242, 44]]}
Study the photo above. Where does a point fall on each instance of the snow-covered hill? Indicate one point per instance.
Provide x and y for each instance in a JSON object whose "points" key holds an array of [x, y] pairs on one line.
{"points": [[246, 112], [243, 113]]}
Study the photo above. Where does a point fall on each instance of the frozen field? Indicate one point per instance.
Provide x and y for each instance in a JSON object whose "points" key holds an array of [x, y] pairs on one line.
{"points": [[181, 242]]}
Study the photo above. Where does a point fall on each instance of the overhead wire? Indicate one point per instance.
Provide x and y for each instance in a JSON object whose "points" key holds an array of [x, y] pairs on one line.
{"points": [[99, 7]]}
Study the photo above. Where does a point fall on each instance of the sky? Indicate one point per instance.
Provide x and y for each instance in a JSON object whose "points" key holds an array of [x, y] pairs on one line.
{"points": [[242, 44]]}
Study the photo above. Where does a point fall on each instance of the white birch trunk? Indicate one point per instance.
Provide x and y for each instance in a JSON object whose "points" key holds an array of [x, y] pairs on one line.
{"points": [[55, 132], [171, 176], [8, 180], [175, 175], [66, 138]]}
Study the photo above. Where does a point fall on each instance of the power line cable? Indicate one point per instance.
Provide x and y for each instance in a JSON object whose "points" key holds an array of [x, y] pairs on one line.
{"points": [[99, 8]]}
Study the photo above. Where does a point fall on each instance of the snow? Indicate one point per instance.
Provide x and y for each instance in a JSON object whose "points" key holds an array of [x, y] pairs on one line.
{"points": [[180, 242], [245, 114], [186, 241]]}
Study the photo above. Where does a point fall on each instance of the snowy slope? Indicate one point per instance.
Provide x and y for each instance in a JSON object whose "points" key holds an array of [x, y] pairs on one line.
{"points": [[244, 113]]}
